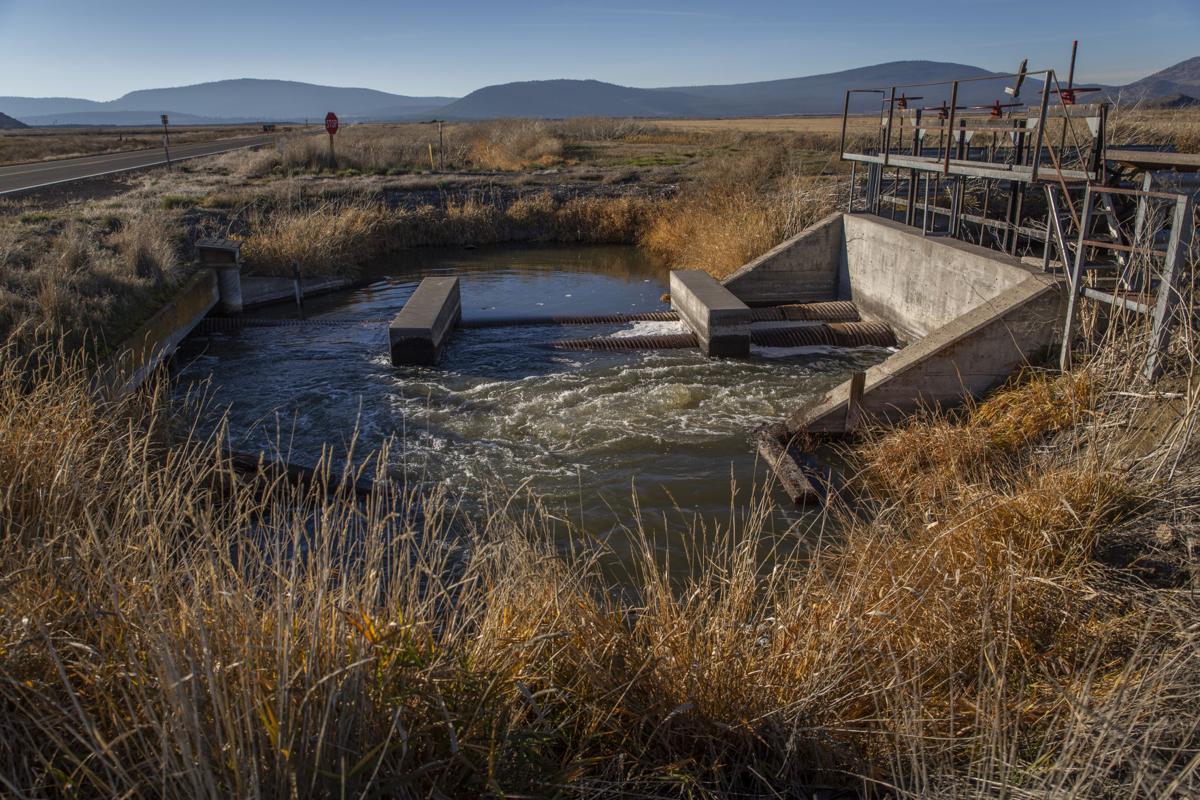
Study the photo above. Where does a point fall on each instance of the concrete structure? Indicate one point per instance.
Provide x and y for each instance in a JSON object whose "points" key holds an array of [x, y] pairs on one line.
{"points": [[915, 283], [719, 319], [419, 333], [971, 317], [224, 256], [150, 345], [258, 291], [797, 271]]}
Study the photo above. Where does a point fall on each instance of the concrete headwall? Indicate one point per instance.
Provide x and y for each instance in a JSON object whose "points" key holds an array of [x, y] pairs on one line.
{"points": [[918, 283], [969, 316], [969, 356], [140, 354], [804, 269]]}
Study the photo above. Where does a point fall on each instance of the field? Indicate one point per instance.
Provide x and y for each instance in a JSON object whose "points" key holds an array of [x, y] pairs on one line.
{"points": [[1001, 605], [38, 144], [825, 125]]}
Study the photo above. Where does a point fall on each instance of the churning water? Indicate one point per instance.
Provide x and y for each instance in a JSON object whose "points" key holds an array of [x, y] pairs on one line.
{"points": [[585, 429]]}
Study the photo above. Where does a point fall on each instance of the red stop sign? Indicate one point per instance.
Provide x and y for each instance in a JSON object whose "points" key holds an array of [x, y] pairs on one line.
{"points": [[331, 123]]}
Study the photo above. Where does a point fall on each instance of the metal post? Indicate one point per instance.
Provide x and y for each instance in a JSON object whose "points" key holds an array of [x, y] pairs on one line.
{"points": [[950, 124], [925, 211], [1168, 290], [297, 289], [887, 148], [1075, 288], [845, 118], [853, 186], [166, 142], [1041, 128]]}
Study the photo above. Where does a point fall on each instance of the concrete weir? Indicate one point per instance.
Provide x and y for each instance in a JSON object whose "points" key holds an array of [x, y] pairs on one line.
{"points": [[719, 319], [968, 317], [419, 333]]}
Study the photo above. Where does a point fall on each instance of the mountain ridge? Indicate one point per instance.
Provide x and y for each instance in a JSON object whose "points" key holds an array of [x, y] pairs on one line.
{"points": [[242, 100]]}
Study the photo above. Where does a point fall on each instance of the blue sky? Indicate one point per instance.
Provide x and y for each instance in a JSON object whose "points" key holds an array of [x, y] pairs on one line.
{"points": [[101, 49]]}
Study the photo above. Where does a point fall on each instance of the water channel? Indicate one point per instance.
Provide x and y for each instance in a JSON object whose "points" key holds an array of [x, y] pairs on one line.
{"points": [[584, 430]]}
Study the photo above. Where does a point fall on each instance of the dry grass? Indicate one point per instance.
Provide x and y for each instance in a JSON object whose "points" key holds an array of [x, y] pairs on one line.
{"points": [[87, 277], [505, 145], [828, 125], [172, 628], [1179, 128], [337, 237], [745, 205]]}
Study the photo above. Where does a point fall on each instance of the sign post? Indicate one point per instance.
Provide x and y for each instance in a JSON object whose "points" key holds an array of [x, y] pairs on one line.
{"points": [[331, 125], [166, 141]]}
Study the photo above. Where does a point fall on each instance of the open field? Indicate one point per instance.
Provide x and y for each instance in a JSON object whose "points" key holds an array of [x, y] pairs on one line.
{"points": [[38, 144], [829, 125]]}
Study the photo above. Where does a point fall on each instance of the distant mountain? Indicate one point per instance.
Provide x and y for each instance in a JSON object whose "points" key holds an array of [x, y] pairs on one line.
{"points": [[128, 119], [251, 100], [825, 94], [8, 123], [23, 107], [1181, 79], [816, 94], [243, 99], [572, 98]]}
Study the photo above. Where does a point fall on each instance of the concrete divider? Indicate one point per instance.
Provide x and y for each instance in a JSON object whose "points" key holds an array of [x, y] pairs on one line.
{"points": [[419, 333], [720, 321]]}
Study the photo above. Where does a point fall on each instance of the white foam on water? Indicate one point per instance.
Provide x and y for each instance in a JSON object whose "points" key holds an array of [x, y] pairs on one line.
{"points": [[648, 328]]}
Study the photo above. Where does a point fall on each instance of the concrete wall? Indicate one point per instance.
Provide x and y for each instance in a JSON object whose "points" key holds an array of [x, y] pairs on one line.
{"points": [[804, 269], [918, 283], [140, 354], [969, 316], [969, 356]]}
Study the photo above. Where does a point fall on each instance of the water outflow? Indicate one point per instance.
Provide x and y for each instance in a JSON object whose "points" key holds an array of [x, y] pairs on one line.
{"points": [[585, 428]]}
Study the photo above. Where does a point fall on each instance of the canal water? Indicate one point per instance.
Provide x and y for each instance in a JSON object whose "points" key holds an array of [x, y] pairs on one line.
{"points": [[583, 430]]}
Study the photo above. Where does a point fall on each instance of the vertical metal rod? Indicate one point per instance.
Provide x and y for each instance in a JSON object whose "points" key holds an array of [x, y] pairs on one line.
{"points": [[887, 148], [1075, 289], [297, 290], [845, 119], [1168, 290], [925, 210], [1041, 128], [853, 179], [950, 125]]}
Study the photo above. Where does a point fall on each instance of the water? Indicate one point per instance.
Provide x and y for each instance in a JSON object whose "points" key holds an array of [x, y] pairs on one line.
{"points": [[584, 430]]}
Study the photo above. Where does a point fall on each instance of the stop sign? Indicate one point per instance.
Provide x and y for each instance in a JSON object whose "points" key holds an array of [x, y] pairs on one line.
{"points": [[331, 123]]}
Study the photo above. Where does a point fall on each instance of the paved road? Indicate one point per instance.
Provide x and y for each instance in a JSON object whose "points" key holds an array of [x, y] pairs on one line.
{"points": [[22, 177]]}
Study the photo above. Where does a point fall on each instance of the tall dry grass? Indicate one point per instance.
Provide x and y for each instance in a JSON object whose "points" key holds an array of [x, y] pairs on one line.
{"points": [[338, 236], [172, 627], [93, 277], [745, 204], [1179, 128], [504, 145]]}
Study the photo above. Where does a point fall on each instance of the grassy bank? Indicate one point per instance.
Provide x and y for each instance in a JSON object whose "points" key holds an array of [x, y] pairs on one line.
{"points": [[983, 622], [88, 276]]}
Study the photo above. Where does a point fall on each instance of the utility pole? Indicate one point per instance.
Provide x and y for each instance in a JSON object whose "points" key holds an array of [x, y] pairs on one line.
{"points": [[166, 141]]}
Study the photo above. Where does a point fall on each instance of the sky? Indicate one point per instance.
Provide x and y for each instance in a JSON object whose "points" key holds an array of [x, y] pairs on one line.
{"points": [[100, 49]]}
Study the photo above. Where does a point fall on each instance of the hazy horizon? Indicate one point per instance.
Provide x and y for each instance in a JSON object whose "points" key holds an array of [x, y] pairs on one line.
{"points": [[74, 49]]}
